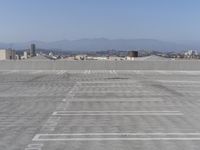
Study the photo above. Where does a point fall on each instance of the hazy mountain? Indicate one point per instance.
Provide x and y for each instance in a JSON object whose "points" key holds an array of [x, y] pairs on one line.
{"points": [[103, 44]]}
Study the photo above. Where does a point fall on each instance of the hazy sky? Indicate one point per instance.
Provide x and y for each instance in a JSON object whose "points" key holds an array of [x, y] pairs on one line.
{"points": [[50, 20]]}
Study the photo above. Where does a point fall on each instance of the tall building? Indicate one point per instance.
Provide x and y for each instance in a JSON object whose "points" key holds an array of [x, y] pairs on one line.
{"points": [[7, 54], [33, 50]]}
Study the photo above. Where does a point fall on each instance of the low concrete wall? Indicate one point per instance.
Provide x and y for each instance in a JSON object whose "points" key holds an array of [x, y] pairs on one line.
{"points": [[101, 65]]}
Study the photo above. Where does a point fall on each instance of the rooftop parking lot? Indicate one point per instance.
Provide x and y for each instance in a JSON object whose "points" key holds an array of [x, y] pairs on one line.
{"points": [[99, 109]]}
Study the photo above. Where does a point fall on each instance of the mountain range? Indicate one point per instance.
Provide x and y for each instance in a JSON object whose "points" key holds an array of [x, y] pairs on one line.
{"points": [[99, 44]]}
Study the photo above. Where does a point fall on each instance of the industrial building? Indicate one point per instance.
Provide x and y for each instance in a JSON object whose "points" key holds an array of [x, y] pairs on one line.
{"points": [[132, 55], [7, 54]]}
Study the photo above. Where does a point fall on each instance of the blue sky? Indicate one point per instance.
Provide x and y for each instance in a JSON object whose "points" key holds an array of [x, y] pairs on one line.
{"points": [[51, 20]]}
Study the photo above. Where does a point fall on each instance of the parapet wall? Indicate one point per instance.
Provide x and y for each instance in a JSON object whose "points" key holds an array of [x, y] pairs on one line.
{"points": [[182, 65]]}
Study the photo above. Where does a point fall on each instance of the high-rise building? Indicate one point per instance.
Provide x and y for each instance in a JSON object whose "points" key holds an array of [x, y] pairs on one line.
{"points": [[33, 50]]}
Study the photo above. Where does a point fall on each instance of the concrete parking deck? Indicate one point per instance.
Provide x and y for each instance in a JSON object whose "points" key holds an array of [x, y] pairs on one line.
{"points": [[99, 110]]}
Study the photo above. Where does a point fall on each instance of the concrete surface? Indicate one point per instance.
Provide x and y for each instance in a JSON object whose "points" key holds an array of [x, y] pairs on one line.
{"points": [[99, 110]]}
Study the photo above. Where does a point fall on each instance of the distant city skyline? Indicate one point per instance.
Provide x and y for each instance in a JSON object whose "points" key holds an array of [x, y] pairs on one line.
{"points": [[53, 20], [99, 44]]}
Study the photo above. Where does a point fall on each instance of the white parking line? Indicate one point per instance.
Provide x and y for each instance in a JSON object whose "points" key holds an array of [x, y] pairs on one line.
{"points": [[178, 81], [87, 100], [121, 139], [60, 72], [37, 72], [34, 147], [114, 71], [123, 114], [123, 134], [87, 72], [120, 100], [114, 91], [117, 113], [118, 137]]}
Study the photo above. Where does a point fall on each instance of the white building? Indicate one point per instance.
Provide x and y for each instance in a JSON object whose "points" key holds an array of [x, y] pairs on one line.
{"points": [[81, 57], [191, 53], [7, 54], [25, 56]]}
